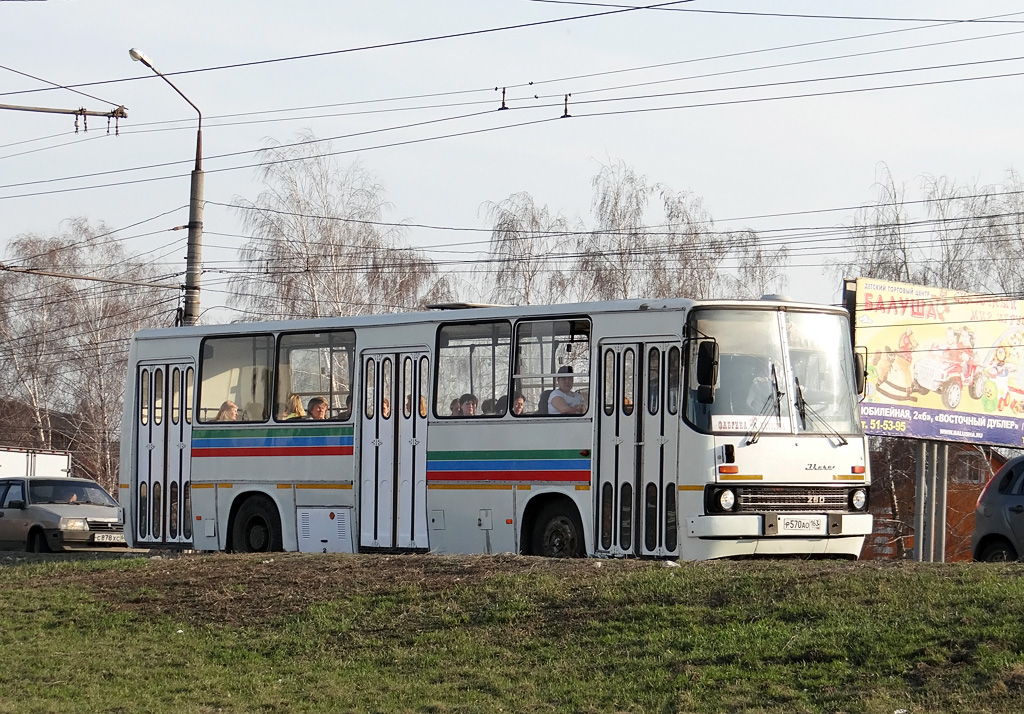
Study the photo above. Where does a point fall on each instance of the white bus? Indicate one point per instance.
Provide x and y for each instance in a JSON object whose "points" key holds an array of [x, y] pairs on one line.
{"points": [[703, 429]]}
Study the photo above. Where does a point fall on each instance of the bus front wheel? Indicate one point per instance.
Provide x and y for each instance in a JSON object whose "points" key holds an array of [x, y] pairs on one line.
{"points": [[557, 533], [256, 527]]}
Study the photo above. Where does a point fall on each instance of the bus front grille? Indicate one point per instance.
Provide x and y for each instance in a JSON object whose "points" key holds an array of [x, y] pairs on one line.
{"points": [[791, 499]]}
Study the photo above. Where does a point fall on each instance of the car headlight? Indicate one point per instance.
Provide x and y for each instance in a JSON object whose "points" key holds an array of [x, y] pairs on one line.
{"points": [[726, 499], [859, 499], [74, 524]]}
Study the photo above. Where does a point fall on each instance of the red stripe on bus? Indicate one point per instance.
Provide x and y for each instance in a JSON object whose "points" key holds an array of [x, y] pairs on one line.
{"points": [[279, 451], [508, 476]]}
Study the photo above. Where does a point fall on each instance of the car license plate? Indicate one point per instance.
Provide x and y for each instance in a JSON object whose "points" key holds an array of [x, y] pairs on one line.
{"points": [[108, 538], [803, 525]]}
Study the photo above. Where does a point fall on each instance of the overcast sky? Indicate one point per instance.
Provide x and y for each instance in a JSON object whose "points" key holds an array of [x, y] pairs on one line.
{"points": [[707, 97]]}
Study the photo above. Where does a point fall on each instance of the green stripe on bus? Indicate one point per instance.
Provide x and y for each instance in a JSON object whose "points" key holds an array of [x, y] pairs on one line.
{"points": [[506, 454], [263, 432]]}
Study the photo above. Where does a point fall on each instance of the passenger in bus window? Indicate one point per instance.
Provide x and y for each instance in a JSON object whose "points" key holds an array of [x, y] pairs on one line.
{"points": [[294, 410], [563, 400], [348, 406], [408, 406], [488, 407], [501, 406], [385, 409], [518, 404], [317, 408], [467, 405], [456, 407], [228, 412]]}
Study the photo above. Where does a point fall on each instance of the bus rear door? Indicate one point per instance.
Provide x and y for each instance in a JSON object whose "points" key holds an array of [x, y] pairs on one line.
{"points": [[161, 487]]}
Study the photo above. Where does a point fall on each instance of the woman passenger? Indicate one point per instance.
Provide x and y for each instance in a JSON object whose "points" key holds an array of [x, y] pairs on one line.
{"points": [[228, 412], [294, 408]]}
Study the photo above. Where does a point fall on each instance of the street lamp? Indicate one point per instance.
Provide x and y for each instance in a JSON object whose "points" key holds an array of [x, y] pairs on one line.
{"points": [[194, 253]]}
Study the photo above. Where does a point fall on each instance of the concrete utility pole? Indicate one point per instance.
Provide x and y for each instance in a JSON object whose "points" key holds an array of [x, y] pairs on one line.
{"points": [[194, 253]]}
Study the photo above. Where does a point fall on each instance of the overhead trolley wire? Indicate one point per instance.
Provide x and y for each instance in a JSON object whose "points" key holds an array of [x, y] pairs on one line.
{"points": [[398, 43], [578, 115]]}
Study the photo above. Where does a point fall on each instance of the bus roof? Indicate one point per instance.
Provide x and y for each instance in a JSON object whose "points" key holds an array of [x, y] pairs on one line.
{"points": [[454, 312]]}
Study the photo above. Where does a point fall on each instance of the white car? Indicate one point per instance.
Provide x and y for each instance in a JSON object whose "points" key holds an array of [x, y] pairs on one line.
{"points": [[46, 514]]}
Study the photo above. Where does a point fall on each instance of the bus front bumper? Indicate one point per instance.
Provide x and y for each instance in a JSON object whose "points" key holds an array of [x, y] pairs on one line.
{"points": [[780, 525]]}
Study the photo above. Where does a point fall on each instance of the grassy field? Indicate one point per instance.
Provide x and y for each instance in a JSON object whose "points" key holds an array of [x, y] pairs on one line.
{"points": [[315, 633]]}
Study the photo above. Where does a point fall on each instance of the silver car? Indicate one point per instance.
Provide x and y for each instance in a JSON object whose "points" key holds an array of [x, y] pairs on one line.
{"points": [[44, 514], [999, 518]]}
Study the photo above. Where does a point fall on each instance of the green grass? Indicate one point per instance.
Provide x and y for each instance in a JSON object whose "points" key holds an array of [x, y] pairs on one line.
{"points": [[304, 633]]}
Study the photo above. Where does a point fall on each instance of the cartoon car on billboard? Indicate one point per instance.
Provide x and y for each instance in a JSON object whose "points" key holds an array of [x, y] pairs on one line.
{"points": [[948, 368]]}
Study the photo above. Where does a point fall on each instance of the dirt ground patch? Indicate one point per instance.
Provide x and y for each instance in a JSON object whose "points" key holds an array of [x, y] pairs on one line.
{"points": [[249, 589]]}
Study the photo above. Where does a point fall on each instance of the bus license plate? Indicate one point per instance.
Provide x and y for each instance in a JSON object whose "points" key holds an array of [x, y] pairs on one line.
{"points": [[108, 538], [806, 525]]}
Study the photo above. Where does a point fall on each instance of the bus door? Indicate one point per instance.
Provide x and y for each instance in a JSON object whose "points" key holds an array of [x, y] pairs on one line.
{"points": [[393, 450], [638, 431], [162, 490]]}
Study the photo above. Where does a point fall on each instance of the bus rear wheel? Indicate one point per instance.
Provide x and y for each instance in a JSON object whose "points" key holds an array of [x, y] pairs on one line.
{"points": [[256, 527], [558, 533]]}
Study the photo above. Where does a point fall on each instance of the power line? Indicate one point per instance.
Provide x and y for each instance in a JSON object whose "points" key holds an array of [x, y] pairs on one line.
{"points": [[382, 45], [472, 132]]}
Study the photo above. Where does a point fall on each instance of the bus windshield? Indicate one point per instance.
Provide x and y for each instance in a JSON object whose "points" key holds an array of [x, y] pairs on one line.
{"points": [[778, 371]]}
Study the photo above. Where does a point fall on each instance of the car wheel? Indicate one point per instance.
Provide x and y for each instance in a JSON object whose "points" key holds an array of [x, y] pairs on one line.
{"points": [[977, 388], [558, 533], [951, 394], [998, 552], [256, 527], [37, 542]]}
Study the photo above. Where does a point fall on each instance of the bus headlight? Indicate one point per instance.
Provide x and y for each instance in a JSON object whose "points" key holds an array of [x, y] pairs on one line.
{"points": [[73, 524], [726, 499], [859, 499]]}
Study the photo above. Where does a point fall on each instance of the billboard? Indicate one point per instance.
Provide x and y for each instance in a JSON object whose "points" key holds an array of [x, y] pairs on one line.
{"points": [[942, 364]]}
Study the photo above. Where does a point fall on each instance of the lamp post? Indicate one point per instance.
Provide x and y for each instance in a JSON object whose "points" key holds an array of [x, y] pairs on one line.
{"points": [[194, 253]]}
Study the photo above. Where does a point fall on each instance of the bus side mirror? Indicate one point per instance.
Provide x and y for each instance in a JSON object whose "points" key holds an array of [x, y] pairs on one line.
{"points": [[707, 371], [861, 361]]}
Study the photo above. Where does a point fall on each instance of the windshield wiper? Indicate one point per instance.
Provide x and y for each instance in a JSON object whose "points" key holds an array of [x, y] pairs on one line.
{"points": [[775, 398], [805, 410]]}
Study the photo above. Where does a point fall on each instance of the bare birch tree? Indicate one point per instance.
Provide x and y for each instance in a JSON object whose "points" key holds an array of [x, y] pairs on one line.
{"points": [[319, 245], [1004, 237], [881, 244], [524, 265], [958, 230], [65, 342], [613, 255]]}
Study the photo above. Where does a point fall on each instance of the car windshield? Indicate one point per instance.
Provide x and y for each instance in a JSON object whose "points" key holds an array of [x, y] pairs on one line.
{"points": [[64, 491]]}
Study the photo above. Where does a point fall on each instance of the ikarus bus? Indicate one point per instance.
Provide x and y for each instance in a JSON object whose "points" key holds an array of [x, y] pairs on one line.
{"points": [[674, 428]]}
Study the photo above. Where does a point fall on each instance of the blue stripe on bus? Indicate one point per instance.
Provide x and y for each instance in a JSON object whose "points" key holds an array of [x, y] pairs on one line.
{"points": [[253, 442], [511, 465]]}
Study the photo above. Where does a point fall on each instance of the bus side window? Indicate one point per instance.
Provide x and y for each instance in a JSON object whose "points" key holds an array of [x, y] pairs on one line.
{"points": [[553, 355], [316, 364], [472, 359], [234, 369]]}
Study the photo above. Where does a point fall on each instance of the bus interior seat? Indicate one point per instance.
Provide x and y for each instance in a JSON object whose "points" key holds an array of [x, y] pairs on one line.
{"points": [[542, 403]]}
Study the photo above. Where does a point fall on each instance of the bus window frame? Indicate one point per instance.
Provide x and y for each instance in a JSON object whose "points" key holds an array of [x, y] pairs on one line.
{"points": [[552, 373], [510, 324], [280, 397], [272, 376]]}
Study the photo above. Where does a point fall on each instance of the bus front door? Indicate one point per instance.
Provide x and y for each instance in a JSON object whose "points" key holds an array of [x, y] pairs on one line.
{"points": [[638, 433], [161, 488], [393, 451]]}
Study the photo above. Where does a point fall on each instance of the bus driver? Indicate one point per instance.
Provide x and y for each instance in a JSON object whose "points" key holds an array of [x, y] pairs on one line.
{"points": [[563, 400]]}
